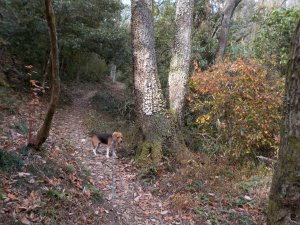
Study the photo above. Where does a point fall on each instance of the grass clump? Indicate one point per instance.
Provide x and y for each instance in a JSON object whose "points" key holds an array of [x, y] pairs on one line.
{"points": [[22, 127], [10, 162], [69, 168], [56, 194], [97, 196]]}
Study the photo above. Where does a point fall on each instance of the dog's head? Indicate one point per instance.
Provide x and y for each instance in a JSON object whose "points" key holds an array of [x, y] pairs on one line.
{"points": [[118, 137]]}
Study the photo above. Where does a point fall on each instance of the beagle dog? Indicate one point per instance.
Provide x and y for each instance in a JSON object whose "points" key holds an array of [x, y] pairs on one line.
{"points": [[112, 142]]}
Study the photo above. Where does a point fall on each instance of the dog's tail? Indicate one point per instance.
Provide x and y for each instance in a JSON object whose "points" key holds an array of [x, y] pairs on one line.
{"points": [[92, 133]]}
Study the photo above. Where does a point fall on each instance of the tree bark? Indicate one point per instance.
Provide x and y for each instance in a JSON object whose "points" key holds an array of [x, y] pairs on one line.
{"points": [[43, 132], [284, 199], [223, 34], [157, 127], [113, 71], [181, 54]]}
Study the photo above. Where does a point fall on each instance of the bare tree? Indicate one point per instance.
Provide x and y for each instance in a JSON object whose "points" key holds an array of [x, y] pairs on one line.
{"points": [[284, 200], [181, 54], [43, 132], [157, 127], [223, 33]]}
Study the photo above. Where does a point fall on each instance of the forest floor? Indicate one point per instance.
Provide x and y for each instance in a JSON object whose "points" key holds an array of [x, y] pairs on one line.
{"points": [[132, 204], [67, 184]]}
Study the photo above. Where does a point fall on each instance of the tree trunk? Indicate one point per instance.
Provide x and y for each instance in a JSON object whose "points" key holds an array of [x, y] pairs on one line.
{"points": [[223, 34], [43, 132], [157, 128], [113, 70], [181, 54], [46, 71], [284, 200]]}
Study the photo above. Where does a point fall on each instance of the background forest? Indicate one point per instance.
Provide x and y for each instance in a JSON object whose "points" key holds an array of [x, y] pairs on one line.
{"points": [[231, 119]]}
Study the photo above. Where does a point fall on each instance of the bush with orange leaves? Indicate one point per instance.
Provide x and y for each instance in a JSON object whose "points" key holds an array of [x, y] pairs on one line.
{"points": [[239, 102]]}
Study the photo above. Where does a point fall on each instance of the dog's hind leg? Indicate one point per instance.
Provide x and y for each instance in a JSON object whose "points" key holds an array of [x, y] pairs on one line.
{"points": [[96, 148], [95, 143], [107, 152]]}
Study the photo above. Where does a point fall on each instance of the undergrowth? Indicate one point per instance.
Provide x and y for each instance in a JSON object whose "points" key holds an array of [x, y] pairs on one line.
{"points": [[218, 192], [10, 161], [8, 102], [114, 104], [51, 183]]}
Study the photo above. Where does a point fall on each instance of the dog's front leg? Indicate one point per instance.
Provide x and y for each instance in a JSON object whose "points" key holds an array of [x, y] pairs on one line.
{"points": [[99, 147], [94, 151], [114, 153], [107, 152]]}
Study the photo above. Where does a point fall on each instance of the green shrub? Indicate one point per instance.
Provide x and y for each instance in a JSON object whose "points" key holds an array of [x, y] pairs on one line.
{"points": [[272, 43], [104, 102], [95, 68]]}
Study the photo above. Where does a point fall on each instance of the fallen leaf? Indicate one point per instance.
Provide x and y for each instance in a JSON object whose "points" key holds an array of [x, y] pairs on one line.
{"points": [[24, 202], [31, 181], [32, 195], [12, 197], [21, 174], [25, 221], [164, 212], [136, 199], [20, 208]]}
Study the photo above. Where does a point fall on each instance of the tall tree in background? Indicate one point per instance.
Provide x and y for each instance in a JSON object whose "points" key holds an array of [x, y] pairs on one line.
{"points": [[224, 30], [157, 127], [181, 54], [284, 201], [43, 132]]}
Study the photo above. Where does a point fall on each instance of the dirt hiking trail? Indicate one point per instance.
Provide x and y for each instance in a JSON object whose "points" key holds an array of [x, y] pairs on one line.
{"points": [[132, 205]]}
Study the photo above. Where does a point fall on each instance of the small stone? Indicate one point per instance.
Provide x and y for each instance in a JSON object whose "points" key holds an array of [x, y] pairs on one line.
{"points": [[246, 197], [21, 174], [208, 222], [31, 181]]}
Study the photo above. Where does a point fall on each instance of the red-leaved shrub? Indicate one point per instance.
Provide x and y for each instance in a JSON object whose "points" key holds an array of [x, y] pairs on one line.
{"points": [[240, 102]]}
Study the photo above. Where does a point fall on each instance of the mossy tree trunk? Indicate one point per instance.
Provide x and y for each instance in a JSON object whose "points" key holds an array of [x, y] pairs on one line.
{"points": [[43, 132], [181, 54], [284, 200], [224, 30], [157, 127]]}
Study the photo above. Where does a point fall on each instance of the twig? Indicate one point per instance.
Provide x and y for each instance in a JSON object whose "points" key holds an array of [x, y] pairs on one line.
{"points": [[266, 160]]}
